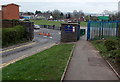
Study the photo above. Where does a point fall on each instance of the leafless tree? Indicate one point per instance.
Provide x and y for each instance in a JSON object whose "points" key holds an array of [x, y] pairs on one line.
{"points": [[56, 14]]}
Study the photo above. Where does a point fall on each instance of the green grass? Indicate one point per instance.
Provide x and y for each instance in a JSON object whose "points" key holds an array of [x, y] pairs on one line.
{"points": [[46, 22], [112, 55], [46, 65], [99, 45], [83, 24], [57, 23]]}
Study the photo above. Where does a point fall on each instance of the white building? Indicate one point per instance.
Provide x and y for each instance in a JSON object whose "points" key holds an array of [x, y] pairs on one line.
{"points": [[119, 6]]}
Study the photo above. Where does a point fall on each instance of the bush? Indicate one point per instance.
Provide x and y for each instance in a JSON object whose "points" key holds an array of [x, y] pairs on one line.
{"points": [[119, 30], [117, 57], [110, 45], [13, 35], [113, 46]]}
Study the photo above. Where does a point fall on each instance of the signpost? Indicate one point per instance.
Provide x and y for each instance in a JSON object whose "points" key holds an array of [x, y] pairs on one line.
{"points": [[69, 28], [103, 18]]}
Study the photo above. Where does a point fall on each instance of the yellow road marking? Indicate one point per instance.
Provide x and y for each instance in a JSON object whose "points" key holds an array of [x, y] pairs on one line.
{"points": [[13, 61], [17, 47]]}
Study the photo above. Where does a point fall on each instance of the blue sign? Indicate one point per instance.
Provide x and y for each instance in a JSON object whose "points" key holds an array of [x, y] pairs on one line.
{"points": [[68, 28]]}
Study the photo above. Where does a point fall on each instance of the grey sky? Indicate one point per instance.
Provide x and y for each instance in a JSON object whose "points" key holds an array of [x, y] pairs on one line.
{"points": [[88, 6]]}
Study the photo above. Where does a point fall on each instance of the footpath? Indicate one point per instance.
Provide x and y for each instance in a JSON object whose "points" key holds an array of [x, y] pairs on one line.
{"points": [[87, 64]]}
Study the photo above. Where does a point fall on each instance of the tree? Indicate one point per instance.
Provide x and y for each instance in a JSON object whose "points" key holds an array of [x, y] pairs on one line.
{"points": [[87, 18], [28, 13], [37, 12], [81, 13], [68, 15], [61, 15], [75, 14], [116, 16], [56, 14]]}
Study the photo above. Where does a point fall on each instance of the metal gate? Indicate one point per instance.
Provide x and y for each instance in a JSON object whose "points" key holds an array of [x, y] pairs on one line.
{"points": [[101, 29]]}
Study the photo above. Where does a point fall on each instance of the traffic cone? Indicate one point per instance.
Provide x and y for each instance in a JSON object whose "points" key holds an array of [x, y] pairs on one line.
{"points": [[40, 33], [48, 34], [45, 34]]}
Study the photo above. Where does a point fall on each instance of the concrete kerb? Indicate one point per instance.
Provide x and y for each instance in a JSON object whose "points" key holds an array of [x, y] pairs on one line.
{"points": [[112, 67], [65, 70]]}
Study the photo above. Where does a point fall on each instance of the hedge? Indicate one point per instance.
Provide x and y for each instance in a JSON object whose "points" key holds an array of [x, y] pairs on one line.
{"points": [[13, 35], [113, 47]]}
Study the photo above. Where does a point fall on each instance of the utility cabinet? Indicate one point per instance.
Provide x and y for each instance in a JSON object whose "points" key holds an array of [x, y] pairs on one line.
{"points": [[70, 32]]}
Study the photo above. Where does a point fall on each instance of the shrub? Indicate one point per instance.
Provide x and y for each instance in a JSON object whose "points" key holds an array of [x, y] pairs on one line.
{"points": [[13, 35], [117, 57], [119, 30], [110, 45], [113, 46]]}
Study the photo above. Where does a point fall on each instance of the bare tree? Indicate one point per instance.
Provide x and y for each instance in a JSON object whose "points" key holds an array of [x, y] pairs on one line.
{"points": [[69, 15], [81, 13], [56, 14], [75, 14]]}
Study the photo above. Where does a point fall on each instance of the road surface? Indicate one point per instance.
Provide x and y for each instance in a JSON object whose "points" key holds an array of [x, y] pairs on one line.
{"points": [[38, 44]]}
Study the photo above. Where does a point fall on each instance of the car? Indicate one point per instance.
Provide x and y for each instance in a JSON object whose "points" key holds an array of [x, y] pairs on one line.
{"points": [[36, 27]]}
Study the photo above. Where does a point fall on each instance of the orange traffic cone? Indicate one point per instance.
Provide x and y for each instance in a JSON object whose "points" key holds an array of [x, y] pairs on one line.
{"points": [[48, 34], [45, 34], [40, 33]]}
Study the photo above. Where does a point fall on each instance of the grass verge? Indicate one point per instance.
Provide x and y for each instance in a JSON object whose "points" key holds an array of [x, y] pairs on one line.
{"points": [[56, 23], [83, 24], [46, 65], [46, 22]]}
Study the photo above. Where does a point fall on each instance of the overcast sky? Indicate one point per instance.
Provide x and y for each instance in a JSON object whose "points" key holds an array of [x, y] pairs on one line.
{"points": [[88, 6]]}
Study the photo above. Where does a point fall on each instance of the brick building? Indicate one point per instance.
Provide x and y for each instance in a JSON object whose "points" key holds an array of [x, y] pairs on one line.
{"points": [[10, 11]]}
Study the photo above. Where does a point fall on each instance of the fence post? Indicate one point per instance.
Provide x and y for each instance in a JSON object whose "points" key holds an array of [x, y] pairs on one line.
{"points": [[117, 29], [102, 30], [88, 30]]}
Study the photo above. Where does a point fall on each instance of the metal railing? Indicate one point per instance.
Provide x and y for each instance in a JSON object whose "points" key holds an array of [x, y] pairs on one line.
{"points": [[102, 29]]}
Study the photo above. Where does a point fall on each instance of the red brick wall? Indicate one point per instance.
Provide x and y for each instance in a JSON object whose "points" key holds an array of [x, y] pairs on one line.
{"points": [[10, 11]]}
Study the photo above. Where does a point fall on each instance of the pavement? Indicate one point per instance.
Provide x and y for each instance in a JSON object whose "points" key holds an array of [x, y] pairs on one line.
{"points": [[12, 54], [87, 64]]}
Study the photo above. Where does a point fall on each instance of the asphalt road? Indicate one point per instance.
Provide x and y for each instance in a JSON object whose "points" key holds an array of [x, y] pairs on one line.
{"points": [[38, 44]]}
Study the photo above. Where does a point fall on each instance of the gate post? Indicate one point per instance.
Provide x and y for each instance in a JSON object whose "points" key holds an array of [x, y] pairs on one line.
{"points": [[88, 31]]}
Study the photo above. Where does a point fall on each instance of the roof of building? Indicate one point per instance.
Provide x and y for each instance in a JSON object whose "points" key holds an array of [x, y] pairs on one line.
{"points": [[44, 14], [10, 4]]}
